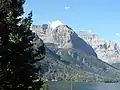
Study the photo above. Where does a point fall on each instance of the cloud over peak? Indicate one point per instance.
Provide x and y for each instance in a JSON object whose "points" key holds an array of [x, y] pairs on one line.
{"points": [[55, 24], [67, 7]]}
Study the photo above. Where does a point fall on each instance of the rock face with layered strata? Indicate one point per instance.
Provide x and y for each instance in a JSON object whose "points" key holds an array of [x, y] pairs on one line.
{"points": [[62, 36], [108, 51]]}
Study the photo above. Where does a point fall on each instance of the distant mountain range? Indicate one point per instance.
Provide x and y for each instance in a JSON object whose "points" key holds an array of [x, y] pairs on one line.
{"points": [[71, 55], [108, 51]]}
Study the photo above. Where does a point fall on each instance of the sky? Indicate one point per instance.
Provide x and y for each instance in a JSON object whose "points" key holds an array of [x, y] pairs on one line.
{"points": [[101, 17]]}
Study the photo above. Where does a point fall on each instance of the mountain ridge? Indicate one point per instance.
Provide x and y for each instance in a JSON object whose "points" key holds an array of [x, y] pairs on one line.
{"points": [[107, 50], [64, 37], [64, 60]]}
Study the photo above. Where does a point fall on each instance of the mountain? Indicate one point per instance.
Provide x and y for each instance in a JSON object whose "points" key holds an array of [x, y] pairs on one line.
{"points": [[108, 51], [69, 56], [64, 37]]}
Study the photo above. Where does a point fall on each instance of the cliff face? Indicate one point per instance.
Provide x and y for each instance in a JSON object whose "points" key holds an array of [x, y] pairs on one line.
{"points": [[108, 51], [64, 37]]}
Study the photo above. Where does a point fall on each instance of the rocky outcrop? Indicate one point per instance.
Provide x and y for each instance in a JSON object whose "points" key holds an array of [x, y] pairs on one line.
{"points": [[63, 36], [108, 51]]}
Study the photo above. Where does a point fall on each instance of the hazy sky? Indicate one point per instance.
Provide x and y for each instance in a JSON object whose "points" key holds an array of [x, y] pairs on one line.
{"points": [[99, 16]]}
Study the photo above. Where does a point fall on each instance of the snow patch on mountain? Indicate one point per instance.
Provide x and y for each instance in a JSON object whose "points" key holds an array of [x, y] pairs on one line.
{"points": [[55, 24]]}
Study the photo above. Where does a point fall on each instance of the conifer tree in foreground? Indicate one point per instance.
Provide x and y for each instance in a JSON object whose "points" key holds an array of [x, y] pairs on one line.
{"points": [[18, 52]]}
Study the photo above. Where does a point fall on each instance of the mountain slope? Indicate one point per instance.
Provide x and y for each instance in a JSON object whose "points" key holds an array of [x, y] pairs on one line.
{"points": [[68, 56], [117, 65], [62, 64]]}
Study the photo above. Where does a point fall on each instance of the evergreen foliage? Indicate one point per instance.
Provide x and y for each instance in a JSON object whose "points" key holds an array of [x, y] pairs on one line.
{"points": [[18, 56]]}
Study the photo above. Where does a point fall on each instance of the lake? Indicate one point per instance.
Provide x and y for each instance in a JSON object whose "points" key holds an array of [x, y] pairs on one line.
{"points": [[83, 86]]}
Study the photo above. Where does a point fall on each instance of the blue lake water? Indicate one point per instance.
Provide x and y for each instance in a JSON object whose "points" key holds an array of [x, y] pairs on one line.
{"points": [[83, 86]]}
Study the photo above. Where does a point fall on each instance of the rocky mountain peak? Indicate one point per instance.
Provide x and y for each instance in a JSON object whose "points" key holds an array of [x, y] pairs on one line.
{"points": [[64, 37], [108, 51]]}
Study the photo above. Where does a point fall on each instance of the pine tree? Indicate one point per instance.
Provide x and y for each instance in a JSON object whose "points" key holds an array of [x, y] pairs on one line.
{"points": [[18, 55]]}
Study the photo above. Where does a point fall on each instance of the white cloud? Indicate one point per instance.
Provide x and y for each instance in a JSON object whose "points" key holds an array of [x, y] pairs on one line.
{"points": [[55, 24], [67, 7], [118, 34]]}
